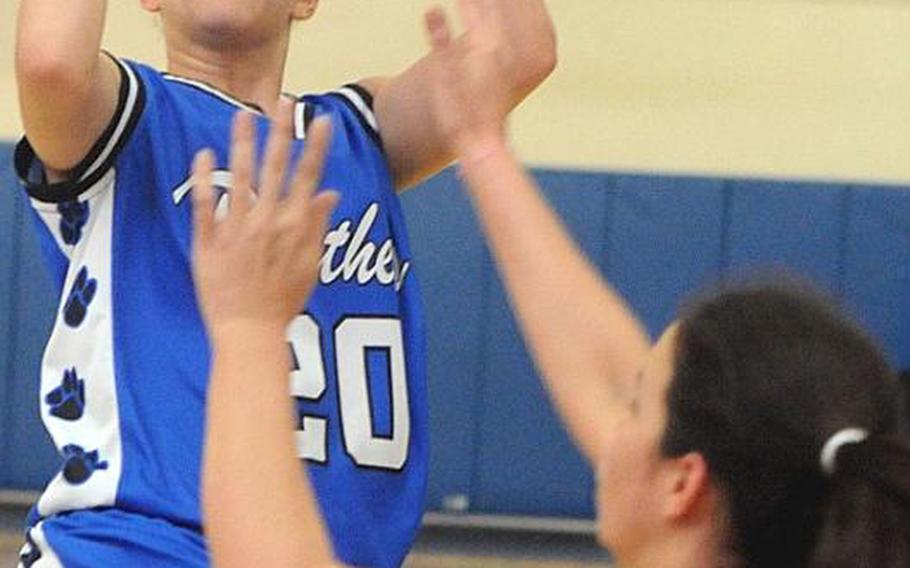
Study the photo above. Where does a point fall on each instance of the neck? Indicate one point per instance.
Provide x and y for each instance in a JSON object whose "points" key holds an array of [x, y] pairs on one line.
{"points": [[690, 549], [250, 74]]}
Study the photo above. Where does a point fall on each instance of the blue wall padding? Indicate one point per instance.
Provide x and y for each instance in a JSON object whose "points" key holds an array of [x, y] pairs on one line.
{"points": [[791, 225], [524, 455], [35, 310], [27, 309], [664, 239], [877, 266], [494, 436], [9, 219], [451, 262]]}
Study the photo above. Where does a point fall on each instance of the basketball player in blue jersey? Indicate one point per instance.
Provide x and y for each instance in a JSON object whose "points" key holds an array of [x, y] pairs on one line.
{"points": [[106, 164]]}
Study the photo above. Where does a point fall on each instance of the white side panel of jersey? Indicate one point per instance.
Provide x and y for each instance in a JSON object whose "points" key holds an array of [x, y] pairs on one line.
{"points": [[87, 433], [48, 558]]}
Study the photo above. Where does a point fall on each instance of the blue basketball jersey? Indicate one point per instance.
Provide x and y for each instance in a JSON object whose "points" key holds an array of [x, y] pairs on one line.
{"points": [[124, 374]]}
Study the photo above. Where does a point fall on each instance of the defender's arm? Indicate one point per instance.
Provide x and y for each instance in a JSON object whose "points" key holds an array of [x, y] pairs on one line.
{"points": [[258, 505], [587, 343], [526, 55], [68, 89]]}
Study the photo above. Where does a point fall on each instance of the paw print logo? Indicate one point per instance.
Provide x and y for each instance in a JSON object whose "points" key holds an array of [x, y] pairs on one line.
{"points": [[30, 553], [68, 400], [74, 216], [79, 465], [80, 297]]}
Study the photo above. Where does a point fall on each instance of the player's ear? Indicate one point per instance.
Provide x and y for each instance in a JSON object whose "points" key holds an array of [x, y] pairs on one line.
{"points": [[686, 487], [303, 9], [151, 5]]}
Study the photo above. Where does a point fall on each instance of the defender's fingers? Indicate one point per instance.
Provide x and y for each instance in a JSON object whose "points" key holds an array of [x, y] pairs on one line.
{"points": [[471, 13], [277, 154], [318, 214], [203, 198], [243, 158], [438, 29], [309, 169]]}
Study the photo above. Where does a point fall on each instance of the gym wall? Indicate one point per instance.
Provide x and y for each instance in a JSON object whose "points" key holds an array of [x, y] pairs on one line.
{"points": [[750, 95]]}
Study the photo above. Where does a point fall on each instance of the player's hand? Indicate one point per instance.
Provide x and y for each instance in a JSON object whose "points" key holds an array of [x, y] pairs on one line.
{"points": [[471, 99], [258, 265]]}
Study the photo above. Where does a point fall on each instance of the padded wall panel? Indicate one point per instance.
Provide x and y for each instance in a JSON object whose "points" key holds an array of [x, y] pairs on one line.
{"points": [[450, 262], [28, 457], [877, 266], [10, 218], [794, 226], [527, 465], [664, 241], [33, 457]]}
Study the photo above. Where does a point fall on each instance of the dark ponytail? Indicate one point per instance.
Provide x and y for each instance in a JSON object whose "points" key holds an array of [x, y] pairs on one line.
{"points": [[866, 518], [764, 377]]}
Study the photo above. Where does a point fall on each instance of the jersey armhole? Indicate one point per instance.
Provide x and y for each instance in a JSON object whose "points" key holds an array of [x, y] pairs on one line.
{"points": [[360, 102], [100, 158]]}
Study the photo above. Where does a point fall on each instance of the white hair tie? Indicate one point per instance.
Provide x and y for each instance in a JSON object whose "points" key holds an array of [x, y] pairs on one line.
{"points": [[828, 458]]}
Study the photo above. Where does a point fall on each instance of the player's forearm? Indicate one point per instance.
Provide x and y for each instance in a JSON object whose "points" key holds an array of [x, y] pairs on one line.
{"points": [[59, 38], [585, 340], [67, 89], [258, 504]]}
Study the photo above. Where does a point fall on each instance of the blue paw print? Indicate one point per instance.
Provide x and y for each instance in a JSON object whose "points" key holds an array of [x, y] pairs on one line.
{"points": [[30, 552], [68, 400], [74, 216], [79, 464], [80, 297]]}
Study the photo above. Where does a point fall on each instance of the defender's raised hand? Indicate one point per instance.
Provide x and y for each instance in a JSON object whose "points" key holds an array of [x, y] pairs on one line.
{"points": [[259, 264], [470, 96]]}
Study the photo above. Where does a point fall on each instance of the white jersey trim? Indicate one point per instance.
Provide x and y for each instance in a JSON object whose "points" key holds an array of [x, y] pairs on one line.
{"points": [[361, 105], [122, 121]]}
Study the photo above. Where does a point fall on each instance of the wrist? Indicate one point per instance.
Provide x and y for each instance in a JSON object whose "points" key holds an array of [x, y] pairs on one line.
{"points": [[483, 149], [244, 332]]}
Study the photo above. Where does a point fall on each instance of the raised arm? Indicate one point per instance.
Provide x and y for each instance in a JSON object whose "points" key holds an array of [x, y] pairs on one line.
{"points": [[254, 272], [586, 342], [526, 55], [67, 88]]}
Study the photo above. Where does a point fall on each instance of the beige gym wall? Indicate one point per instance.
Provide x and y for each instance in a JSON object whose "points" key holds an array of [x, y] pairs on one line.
{"points": [[784, 88]]}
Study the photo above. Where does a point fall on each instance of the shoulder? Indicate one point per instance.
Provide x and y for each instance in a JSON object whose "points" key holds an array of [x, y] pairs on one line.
{"points": [[131, 102], [352, 103]]}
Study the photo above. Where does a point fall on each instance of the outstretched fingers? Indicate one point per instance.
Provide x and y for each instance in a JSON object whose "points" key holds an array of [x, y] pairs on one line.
{"points": [[277, 156], [203, 197], [471, 13], [308, 173], [318, 214], [243, 160], [438, 29]]}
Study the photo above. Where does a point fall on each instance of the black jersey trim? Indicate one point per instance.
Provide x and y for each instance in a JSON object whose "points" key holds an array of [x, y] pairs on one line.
{"points": [[360, 101], [100, 158], [309, 113], [214, 91]]}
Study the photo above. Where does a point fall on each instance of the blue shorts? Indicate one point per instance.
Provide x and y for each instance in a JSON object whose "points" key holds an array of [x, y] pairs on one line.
{"points": [[110, 537]]}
